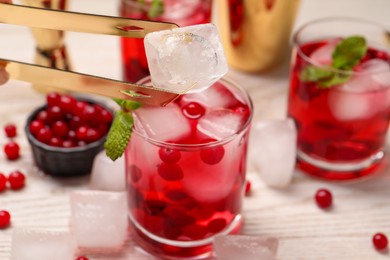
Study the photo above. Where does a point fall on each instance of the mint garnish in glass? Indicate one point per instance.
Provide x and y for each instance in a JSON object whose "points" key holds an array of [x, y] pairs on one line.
{"points": [[155, 7], [121, 129], [346, 55]]}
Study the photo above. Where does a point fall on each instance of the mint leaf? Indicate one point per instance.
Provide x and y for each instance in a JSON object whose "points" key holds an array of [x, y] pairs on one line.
{"points": [[349, 52], [127, 105], [156, 9], [346, 55], [119, 134]]}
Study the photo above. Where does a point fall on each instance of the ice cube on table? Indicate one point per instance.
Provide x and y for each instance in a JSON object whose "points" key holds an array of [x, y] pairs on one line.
{"points": [[233, 247], [99, 219], [106, 174], [323, 55], [186, 57], [272, 151], [33, 244], [365, 94], [220, 123], [163, 124]]}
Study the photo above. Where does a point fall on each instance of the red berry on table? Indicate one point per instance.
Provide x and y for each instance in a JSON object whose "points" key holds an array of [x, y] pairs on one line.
{"points": [[82, 258], [11, 150], [10, 130], [323, 198], [16, 180], [5, 218], [380, 241], [3, 182], [247, 188]]}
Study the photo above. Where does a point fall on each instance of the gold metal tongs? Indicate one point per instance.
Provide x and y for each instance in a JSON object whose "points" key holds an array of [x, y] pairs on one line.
{"points": [[87, 23]]}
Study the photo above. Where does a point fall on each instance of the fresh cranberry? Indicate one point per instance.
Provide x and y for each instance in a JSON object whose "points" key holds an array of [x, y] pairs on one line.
{"points": [[44, 135], [380, 241], [42, 116], [195, 231], [3, 182], [53, 99], [170, 172], [79, 108], [16, 180], [382, 55], [81, 143], [35, 126], [81, 133], [106, 116], [5, 218], [193, 110], [212, 155], [11, 150], [60, 129], [72, 135], [89, 114], [75, 122], [10, 130], [82, 258], [68, 143], [323, 198], [67, 103], [55, 141], [247, 188], [54, 113], [92, 135], [169, 155]]}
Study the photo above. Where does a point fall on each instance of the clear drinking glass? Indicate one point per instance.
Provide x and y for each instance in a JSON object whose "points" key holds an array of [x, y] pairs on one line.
{"points": [[185, 187], [180, 12], [341, 129]]}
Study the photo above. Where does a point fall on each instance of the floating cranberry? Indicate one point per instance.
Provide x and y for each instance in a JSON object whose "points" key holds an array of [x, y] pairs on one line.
{"points": [[60, 129], [217, 225], [169, 155], [10, 130], [3, 182], [16, 180], [170, 172], [5, 218], [53, 99], [195, 231], [44, 135], [35, 126], [155, 207], [323, 198], [193, 110], [212, 155], [380, 241], [11, 150], [135, 173]]}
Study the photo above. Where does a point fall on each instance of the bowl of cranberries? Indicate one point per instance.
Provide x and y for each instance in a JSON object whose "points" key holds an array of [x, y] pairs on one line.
{"points": [[66, 134]]}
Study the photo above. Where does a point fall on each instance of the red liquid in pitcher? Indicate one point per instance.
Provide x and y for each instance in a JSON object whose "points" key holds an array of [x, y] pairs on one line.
{"points": [[180, 12], [193, 189], [343, 123]]}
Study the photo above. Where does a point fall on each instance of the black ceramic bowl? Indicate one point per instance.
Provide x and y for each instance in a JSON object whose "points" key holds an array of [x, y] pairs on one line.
{"points": [[60, 161]]}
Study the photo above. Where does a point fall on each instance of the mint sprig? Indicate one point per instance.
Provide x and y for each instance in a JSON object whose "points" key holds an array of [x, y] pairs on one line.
{"points": [[121, 129], [155, 8], [346, 55]]}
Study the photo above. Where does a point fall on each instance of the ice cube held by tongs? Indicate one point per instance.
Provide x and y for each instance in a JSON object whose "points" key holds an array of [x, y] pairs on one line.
{"points": [[88, 23]]}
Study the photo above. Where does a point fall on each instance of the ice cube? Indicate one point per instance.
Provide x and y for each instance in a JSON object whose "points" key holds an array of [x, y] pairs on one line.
{"points": [[32, 244], [220, 123], [233, 247], [323, 55], [214, 97], [175, 10], [365, 94], [98, 219], [163, 124], [186, 57], [108, 175], [272, 151]]}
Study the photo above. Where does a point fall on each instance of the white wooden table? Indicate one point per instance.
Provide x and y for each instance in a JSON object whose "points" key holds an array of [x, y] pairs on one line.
{"points": [[305, 232]]}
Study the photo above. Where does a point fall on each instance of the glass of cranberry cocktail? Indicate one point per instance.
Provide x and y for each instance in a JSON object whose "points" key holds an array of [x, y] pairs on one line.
{"points": [[185, 167], [180, 12], [340, 97]]}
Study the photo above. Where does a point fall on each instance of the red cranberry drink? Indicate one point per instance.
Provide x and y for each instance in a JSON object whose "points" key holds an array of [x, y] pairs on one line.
{"points": [[340, 100], [181, 12], [185, 167]]}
